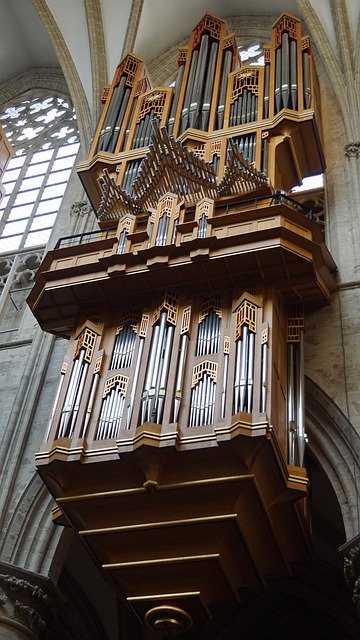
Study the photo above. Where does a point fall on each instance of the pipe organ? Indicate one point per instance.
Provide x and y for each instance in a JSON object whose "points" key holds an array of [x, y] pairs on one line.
{"points": [[176, 445]]}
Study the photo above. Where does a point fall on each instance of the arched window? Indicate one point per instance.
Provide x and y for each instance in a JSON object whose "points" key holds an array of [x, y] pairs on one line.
{"points": [[44, 135]]}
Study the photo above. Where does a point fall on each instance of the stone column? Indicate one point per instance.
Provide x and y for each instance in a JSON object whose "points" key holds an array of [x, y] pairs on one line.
{"points": [[351, 554], [27, 607]]}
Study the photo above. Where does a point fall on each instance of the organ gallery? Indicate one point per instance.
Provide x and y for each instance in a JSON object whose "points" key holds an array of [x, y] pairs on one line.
{"points": [[176, 443]]}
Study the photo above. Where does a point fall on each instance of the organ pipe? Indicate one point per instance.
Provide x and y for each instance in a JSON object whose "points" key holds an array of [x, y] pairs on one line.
{"points": [[210, 73], [175, 100], [224, 78]]}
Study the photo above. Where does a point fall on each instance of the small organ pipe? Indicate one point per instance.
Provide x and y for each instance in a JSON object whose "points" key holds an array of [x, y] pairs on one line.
{"points": [[77, 398], [225, 72], [189, 88], [285, 69], [205, 109], [293, 74]]}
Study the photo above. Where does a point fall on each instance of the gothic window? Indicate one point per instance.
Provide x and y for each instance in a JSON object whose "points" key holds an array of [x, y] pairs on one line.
{"points": [[44, 135]]}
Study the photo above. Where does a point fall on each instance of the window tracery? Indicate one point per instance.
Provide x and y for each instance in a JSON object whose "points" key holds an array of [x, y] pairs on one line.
{"points": [[44, 134]]}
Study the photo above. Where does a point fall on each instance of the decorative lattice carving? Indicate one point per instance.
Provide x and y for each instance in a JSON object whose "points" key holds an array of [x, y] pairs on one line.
{"points": [[117, 380], [170, 304], [246, 78], [154, 102], [210, 304], [185, 320], [295, 323], [128, 67], [245, 315], [305, 43], [207, 366], [144, 325], [211, 25], [286, 23], [86, 341]]}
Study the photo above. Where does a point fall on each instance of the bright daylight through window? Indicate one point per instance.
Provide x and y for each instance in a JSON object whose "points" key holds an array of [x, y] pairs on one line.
{"points": [[44, 135]]}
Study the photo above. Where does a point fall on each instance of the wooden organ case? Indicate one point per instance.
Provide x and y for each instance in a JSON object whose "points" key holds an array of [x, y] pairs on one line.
{"points": [[176, 444]]}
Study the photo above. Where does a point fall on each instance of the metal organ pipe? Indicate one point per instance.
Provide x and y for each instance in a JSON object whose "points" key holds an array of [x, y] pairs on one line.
{"points": [[198, 82], [205, 109], [54, 406], [135, 381], [73, 397], [291, 404], [285, 69], [180, 375], [301, 401], [119, 119], [278, 80], [266, 90], [225, 72], [189, 88], [157, 371], [175, 100], [293, 74], [110, 117], [94, 385], [306, 71], [264, 377]]}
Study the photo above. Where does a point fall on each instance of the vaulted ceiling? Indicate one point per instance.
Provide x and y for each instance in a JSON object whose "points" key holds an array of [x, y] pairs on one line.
{"points": [[87, 38]]}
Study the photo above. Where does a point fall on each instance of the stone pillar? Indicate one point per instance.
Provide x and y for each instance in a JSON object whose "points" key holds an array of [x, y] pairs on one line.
{"points": [[351, 554], [27, 607]]}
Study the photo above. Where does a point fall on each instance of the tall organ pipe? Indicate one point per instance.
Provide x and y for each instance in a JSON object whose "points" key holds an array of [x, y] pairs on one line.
{"points": [[307, 89], [115, 133], [110, 117], [135, 381], [54, 406], [278, 80], [266, 90], [180, 375], [189, 88], [224, 78], [285, 69], [175, 99], [95, 382], [205, 109], [301, 403], [293, 74], [264, 377], [198, 81], [163, 373], [291, 404]]}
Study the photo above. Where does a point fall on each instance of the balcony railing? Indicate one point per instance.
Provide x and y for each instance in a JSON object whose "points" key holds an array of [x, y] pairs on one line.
{"points": [[85, 238]]}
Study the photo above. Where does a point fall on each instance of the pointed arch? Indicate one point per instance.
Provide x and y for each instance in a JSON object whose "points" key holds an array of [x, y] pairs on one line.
{"points": [[71, 75], [336, 444]]}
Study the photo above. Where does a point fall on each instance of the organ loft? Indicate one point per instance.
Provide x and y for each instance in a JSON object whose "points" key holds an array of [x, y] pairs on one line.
{"points": [[175, 448]]}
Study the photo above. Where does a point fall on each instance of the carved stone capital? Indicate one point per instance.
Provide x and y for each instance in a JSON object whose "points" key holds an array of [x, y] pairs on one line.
{"points": [[352, 150], [24, 605], [351, 553], [80, 208]]}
